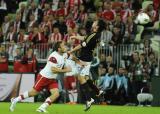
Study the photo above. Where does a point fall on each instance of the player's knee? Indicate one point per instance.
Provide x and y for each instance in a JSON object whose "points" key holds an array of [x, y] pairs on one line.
{"points": [[55, 92]]}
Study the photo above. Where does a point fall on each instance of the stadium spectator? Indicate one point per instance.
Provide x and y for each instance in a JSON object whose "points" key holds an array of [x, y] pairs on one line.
{"points": [[82, 15], [18, 24], [31, 23], [61, 24], [18, 55], [151, 12], [5, 25], [46, 32], [11, 35], [22, 11], [121, 91], [130, 31], [3, 59], [153, 64], [108, 14], [36, 37], [31, 60], [102, 69], [147, 46], [126, 12], [106, 36], [137, 75], [55, 36], [34, 10], [117, 38], [21, 36], [47, 9], [106, 84], [94, 67], [62, 10], [119, 23]]}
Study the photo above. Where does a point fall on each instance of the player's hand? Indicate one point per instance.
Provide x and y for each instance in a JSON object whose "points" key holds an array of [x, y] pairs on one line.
{"points": [[55, 70], [69, 53], [73, 37], [68, 69]]}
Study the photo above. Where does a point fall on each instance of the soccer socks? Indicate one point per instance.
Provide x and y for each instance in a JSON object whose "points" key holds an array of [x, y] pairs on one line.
{"points": [[46, 103], [93, 86], [22, 96], [73, 95], [85, 91]]}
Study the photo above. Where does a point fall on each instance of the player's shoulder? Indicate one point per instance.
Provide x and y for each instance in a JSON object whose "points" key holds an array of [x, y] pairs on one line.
{"points": [[54, 54]]}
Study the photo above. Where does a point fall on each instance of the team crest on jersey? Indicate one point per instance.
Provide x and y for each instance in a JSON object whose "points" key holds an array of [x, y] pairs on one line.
{"points": [[53, 60]]}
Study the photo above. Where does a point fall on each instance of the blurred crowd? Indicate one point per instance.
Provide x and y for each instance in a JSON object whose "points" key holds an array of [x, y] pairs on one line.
{"points": [[30, 27]]}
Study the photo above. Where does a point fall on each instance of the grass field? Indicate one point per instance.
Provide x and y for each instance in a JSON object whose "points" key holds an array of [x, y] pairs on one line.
{"points": [[29, 108]]}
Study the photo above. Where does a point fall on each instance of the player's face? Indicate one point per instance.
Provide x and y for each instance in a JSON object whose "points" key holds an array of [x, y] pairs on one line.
{"points": [[95, 26], [63, 48]]}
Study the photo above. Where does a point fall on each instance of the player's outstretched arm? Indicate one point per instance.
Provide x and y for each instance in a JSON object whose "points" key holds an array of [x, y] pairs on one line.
{"points": [[77, 37], [75, 49], [59, 70]]}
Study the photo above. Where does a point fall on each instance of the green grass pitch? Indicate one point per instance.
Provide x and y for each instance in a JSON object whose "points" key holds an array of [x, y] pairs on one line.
{"points": [[29, 108]]}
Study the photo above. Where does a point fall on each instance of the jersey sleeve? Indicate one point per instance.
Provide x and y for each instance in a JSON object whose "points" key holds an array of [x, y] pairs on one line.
{"points": [[87, 40]]}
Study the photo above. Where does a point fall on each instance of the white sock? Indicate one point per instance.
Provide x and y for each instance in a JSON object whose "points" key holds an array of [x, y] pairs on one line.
{"points": [[22, 96], [46, 103], [71, 99], [75, 96]]}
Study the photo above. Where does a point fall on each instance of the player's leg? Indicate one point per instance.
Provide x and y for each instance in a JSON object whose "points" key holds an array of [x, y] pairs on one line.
{"points": [[93, 86], [37, 87], [21, 97], [53, 87], [85, 89]]}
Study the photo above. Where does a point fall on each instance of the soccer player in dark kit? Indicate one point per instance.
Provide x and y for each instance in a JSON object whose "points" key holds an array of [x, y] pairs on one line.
{"points": [[86, 48]]}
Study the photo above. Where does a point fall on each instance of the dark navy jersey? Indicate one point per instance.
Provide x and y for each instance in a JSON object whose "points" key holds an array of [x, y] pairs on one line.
{"points": [[88, 45]]}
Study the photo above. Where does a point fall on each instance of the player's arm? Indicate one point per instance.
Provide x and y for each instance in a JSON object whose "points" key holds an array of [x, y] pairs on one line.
{"points": [[87, 40], [77, 37], [75, 49], [77, 61], [59, 70], [53, 62]]}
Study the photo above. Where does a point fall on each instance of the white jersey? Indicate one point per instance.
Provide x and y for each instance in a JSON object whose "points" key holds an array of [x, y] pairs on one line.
{"points": [[73, 66], [54, 60]]}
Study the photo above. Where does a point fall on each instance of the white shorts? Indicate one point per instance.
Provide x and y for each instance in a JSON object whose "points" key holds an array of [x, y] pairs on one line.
{"points": [[84, 71]]}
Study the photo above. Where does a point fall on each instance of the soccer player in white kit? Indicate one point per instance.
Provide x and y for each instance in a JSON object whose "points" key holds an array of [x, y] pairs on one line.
{"points": [[47, 78], [70, 81]]}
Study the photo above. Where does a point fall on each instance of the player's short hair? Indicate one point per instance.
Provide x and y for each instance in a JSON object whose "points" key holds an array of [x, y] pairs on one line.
{"points": [[57, 45], [102, 25]]}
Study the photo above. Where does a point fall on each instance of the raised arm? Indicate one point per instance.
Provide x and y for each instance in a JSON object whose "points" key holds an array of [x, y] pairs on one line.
{"points": [[77, 37], [75, 49]]}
